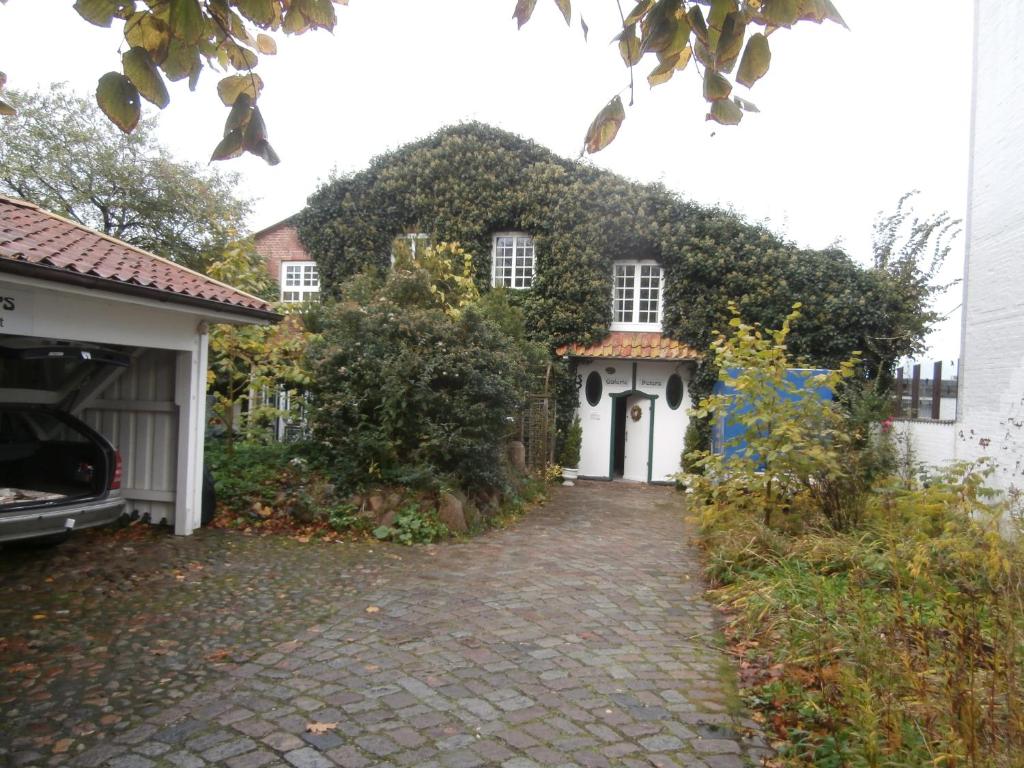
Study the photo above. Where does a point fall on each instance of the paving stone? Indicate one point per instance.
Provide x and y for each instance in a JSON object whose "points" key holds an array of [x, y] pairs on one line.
{"points": [[258, 758], [254, 727], [728, 761], [377, 745], [138, 734], [323, 741], [151, 748], [519, 762], [178, 732], [228, 749], [461, 758], [578, 636], [131, 761], [98, 755], [307, 757], [185, 760], [661, 743], [348, 757], [715, 746], [207, 740]]}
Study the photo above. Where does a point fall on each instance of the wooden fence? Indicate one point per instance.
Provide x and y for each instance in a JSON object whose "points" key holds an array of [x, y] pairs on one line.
{"points": [[933, 398]]}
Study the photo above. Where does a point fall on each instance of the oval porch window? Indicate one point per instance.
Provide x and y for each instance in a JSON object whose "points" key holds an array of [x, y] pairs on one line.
{"points": [[674, 391], [594, 388]]}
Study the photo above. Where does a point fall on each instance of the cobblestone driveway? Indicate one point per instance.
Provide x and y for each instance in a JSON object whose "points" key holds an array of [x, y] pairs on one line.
{"points": [[576, 637]]}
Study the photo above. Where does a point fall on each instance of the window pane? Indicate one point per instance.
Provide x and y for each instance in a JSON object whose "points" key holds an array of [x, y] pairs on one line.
{"points": [[624, 290], [513, 264], [594, 387], [674, 391], [650, 293], [524, 262]]}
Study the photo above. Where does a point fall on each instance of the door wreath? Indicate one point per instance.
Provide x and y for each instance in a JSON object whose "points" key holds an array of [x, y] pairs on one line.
{"points": [[635, 413]]}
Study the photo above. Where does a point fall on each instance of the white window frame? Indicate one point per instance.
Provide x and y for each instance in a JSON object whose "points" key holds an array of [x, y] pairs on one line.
{"points": [[510, 272], [303, 290], [634, 287], [413, 238]]}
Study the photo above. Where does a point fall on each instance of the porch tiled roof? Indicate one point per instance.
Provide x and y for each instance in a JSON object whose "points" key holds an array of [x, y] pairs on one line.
{"points": [[627, 344], [45, 245]]}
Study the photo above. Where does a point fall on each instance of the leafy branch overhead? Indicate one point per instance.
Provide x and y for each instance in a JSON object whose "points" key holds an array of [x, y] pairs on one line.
{"points": [[177, 39], [718, 34]]}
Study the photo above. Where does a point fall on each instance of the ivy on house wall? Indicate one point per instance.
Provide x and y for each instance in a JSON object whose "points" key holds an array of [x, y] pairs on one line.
{"points": [[466, 182]]}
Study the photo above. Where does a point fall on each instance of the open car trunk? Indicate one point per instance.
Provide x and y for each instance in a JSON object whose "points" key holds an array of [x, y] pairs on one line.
{"points": [[48, 458]]}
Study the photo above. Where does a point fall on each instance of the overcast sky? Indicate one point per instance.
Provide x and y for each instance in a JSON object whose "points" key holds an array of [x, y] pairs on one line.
{"points": [[850, 120]]}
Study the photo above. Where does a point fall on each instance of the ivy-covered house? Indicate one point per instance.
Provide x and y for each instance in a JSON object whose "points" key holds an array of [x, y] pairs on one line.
{"points": [[625, 281]]}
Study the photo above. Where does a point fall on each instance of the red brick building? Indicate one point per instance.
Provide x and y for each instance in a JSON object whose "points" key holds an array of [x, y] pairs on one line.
{"points": [[288, 262]]}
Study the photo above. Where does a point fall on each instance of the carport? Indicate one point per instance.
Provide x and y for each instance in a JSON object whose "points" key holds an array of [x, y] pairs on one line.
{"points": [[60, 281]]}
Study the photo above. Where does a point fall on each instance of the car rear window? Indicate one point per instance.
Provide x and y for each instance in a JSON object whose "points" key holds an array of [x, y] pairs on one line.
{"points": [[48, 373], [32, 425]]}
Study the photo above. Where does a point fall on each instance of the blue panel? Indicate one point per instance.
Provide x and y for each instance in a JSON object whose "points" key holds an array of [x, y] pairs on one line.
{"points": [[727, 436]]}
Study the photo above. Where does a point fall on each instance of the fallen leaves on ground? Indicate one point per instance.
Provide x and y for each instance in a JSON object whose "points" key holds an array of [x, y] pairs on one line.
{"points": [[282, 525], [320, 728]]}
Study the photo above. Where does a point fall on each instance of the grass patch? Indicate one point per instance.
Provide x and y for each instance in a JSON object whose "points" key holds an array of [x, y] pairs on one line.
{"points": [[897, 643]]}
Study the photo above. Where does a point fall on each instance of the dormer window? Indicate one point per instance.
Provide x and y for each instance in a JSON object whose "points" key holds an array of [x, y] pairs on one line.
{"points": [[512, 261], [300, 281], [637, 288]]}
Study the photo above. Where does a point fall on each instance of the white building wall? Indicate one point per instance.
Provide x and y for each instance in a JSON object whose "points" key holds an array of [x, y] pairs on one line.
{"points": [[991, 404], [930, 443]]}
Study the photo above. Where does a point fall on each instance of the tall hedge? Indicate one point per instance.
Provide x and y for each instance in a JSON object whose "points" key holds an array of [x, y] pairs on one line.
{"points": [[466, 182], [405, 392]]}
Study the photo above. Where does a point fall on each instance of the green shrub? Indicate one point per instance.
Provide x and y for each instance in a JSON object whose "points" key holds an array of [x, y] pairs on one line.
{"points": [[413, 526], [345, 517], [408, 392], [696, 440], [571, 444], [251, 473], [264, 479]]}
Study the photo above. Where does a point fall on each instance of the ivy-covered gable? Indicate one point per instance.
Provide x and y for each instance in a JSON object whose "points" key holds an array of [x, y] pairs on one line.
{"points": [[467, 182]]}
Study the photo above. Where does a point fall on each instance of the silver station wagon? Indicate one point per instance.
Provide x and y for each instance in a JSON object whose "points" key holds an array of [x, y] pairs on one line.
{"points": [[57, 474]]}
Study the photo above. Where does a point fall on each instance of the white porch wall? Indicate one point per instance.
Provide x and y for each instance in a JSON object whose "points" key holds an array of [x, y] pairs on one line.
{"points": [[595, 453], [669, 425]]}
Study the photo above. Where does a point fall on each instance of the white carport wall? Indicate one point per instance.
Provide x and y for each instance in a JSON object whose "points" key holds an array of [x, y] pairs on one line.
{"points": [[154, 411]]}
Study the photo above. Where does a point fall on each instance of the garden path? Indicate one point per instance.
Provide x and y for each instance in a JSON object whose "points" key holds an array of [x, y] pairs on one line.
{"points": [[578, 636]]}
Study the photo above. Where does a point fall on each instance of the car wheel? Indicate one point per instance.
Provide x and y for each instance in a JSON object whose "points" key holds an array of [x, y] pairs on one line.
{"points": [[209, 498]]}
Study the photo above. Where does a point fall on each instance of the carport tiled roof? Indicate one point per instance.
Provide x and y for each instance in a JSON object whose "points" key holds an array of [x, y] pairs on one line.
{"points": [[627, 344], [44, 245]]}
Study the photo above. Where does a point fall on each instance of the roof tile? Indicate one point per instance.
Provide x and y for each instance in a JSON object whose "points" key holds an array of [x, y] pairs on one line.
{"points": [[620, 344], [28, 234]]}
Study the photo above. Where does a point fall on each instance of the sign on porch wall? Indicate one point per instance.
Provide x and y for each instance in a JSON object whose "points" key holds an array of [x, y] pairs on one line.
{"points": [[17, 305]]}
